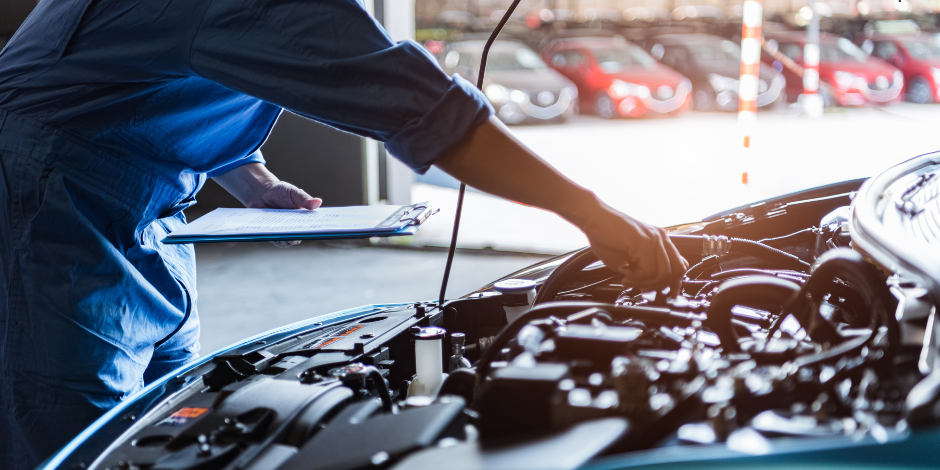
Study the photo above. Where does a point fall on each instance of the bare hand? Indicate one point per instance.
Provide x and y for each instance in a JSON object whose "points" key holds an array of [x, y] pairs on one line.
{"points": [[283, 195], [641, 252]]}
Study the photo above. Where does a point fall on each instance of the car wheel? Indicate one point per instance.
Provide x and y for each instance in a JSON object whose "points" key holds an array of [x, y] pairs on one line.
{"points": [[918, 91], [604, 106], [703, 100]]}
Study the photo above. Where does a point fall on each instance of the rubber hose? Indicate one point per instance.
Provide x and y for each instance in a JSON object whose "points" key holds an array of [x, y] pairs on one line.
{"points": [[699, 268], [759, 250], [559, 277], [757, 291], [850, 267], [741, 246]]}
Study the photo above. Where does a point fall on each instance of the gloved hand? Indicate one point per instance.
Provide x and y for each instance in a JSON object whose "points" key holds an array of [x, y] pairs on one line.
{"points": [[283, 195], [642, 253]]}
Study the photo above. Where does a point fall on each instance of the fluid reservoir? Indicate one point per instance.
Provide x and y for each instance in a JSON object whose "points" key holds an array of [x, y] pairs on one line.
{"points": [[429, 362], [517, 296]]}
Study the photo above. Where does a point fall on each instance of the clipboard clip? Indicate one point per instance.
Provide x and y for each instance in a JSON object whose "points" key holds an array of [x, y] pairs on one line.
{"points": [[418, 214]]}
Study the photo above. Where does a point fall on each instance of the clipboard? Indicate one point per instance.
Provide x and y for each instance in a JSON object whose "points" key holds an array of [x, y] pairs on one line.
{"points": [[328, 223]]}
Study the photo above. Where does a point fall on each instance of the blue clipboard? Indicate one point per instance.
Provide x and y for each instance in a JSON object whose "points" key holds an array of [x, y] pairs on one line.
{"points": [[403, 221]]}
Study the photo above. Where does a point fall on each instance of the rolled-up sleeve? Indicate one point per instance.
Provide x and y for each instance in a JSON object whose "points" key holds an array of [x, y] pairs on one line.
{"points": [[255, 157], [330, 61]]}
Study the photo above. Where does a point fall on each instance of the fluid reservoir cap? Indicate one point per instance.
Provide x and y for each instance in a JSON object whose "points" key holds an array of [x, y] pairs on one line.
{"points": [[430, 333], [512, 286]]}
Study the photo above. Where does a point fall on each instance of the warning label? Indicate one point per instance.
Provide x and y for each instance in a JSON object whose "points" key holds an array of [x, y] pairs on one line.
{"points": [[182, 416], [334, 337]]}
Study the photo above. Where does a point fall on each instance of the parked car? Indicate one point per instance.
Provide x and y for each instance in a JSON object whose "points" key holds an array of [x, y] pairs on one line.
{"points": [[616, 78], [804, 336], [918, 58], [713, 64], [520, 86], [847, 75]]}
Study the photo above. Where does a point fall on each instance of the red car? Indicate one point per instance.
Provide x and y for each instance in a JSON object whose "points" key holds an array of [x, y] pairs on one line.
{"points": [[918, 57], [847, 75], [616, 78]]}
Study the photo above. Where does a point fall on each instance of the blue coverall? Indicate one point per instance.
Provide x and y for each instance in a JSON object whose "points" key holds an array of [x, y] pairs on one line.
{"points": [[112, 115]]}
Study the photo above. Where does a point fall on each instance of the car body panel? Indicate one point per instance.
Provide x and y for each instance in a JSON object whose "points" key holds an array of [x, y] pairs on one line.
{"points": [[654, 87], [878, 82], [520, 92], [713, 93], [895, 50]]}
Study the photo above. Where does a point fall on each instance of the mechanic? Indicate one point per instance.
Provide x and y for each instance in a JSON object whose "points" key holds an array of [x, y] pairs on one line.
{"points": [[112, 115]]}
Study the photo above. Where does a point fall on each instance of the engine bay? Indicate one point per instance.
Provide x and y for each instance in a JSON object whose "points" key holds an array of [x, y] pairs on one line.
{"points": [[784, 331]]}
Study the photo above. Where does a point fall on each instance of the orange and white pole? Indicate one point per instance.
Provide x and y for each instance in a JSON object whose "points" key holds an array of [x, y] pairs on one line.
{"points": [[812, 101], [753, 13]]}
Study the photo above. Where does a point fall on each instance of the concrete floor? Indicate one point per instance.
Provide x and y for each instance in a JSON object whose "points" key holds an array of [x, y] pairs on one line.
{"points": [[249, 288]]}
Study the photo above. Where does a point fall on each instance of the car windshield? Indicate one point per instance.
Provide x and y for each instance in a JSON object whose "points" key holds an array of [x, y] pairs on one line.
{"points": [[840, 51], [715, 52], [922, 48], [514, 59], [616, 59]]}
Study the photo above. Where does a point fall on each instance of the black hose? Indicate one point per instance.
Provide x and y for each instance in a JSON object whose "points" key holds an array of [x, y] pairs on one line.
{"points": [[741, 246], [757, 291], [384, 393], [850, 267], [738, 246], [729, 273], [805, 233], [707, 263], [559, 277]]}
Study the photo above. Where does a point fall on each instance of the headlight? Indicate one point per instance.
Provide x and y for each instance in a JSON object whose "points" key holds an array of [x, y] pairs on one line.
{"points": [[496, 93], [570, 91], [518, 96], [620, 88], [722, 83], [848, 80], [935, 74], [899, 78]]}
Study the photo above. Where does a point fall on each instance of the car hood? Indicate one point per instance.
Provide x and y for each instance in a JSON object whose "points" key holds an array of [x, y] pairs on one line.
{"points": [[529, 80]]}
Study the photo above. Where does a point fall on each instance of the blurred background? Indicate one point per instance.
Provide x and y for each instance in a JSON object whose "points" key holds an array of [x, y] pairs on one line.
{"points": [[637, 100]]}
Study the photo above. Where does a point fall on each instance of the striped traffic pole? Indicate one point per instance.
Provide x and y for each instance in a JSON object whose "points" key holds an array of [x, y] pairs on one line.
{"points": [[812, 102], [750, 70]]}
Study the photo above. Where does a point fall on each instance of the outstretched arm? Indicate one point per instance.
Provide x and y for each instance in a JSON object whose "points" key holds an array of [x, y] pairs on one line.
{"points": [[492, 160]]}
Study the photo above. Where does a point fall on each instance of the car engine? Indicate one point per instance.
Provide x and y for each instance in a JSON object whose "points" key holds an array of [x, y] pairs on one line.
{"points": [[792, 326]]}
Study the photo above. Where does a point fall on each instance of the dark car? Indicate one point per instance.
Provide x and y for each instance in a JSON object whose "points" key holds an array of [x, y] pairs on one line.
{"points": [[518, 84], [713, 64], [918, 58], [805, 335], [847, 75], [616, 78]]}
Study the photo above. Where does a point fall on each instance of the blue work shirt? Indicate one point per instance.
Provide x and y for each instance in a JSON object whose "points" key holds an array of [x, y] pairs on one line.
{"points": [[112, 114]]}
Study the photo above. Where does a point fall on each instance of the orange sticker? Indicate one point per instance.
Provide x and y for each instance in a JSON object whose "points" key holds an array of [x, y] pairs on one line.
{"points": [[189, 412], [182, 416]]}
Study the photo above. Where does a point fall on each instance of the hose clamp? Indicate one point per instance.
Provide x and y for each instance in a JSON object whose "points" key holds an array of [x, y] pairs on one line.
{"points": [[718, 245]]}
